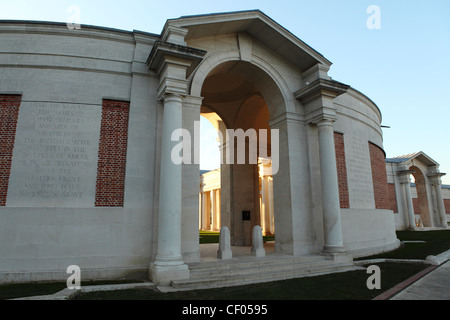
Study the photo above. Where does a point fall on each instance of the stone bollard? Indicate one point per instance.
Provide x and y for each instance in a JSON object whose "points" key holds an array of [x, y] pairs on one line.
{"points": [[224, 252], [258, 243]]}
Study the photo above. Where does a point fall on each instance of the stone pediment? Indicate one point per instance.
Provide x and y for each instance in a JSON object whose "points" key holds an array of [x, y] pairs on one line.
{"points": [[420, 156], [256, 24]]}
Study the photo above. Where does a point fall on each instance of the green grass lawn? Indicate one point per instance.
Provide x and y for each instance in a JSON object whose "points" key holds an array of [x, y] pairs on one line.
{"points": [[436, 242], [213, 237], [341, 286]]}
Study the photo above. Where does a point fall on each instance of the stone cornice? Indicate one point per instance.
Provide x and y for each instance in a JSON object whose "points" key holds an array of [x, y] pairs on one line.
{"points": [[318, 96], [173, 63], [321, 88], [161, 50]]}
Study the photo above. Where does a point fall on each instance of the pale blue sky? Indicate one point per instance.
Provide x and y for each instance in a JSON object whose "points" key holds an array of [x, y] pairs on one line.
{"points": [[403, 67]]}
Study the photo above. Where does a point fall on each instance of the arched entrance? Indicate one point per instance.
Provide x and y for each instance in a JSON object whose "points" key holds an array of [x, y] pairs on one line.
{"points": [[233, 102], [421, 204]]}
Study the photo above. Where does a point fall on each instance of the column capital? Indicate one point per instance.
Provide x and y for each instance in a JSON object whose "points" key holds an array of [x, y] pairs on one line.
{"points": [[324, 120], [172, 96], [403, 176], [435, 179]]}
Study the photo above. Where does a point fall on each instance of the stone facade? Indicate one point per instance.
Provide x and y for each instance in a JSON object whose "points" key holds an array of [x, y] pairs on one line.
{"points": [[421, 204], [91, 180]]}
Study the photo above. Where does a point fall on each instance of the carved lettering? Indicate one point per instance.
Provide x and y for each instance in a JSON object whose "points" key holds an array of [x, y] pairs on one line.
{"points": [[55, 158]]}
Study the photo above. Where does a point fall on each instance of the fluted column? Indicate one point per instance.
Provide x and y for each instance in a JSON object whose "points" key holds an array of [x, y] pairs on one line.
{"points": [[330, 188]]}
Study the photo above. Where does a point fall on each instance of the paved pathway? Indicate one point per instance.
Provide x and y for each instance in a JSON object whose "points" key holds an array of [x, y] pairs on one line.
{"points": [[433, 286]]}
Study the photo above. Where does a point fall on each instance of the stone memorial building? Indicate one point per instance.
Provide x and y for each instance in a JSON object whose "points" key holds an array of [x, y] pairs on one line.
{"points": [[423, 206], [87, 123]]}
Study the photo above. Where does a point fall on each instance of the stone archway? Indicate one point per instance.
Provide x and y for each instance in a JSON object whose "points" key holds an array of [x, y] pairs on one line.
{"points": [[231, 93], [421, 205], [260, 82]]}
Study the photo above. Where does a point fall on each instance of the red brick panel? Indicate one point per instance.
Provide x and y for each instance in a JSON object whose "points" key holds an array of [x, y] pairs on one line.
{"points": [[112, 154], [342, 170], [9, 113], [392, 198], [416, 205], [379, 177], [447, 205]]}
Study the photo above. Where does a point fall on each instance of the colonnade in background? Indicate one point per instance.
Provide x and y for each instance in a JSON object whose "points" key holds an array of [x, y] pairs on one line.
{"points": [[209, 199]]}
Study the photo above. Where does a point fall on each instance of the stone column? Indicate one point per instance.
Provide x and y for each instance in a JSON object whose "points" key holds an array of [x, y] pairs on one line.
{"points": [[173, 63], [200, 211], [317, 96], [410, 205], [213, 209], [265, 215], [441, 206], [406, 186], [203, 218], [169, 264], [330, 188], [271, 207], [217, 221], [437, 185]]}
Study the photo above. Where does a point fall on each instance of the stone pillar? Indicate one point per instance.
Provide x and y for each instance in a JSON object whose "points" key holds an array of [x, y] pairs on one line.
{"points": [[410, 205], [330, 188], [317, 96], [441, 206], [265, 214], [169, 264], [437, 185], [213, 209], [217, 218], [258, 242], [173, 63], [271, 206], [200, 211], [224, 252], [406, 186], [204, 212]]}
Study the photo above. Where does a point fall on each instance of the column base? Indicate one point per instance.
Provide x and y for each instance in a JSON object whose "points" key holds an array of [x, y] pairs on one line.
{"points": [[164, 275], [224, 254], [342, 257], [333, 249]]}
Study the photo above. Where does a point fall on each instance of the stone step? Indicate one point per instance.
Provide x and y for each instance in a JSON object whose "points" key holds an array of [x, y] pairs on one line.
{"points": [[253, 262], [241, 269], [233, 274]]}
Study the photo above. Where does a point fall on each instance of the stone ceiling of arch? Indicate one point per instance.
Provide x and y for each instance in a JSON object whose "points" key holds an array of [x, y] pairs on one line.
{"points": [[230, 91]]}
